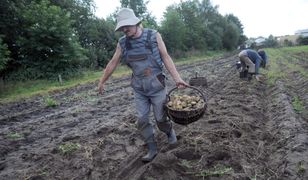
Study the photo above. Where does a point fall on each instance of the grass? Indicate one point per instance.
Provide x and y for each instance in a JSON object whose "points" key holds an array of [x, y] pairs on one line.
{"points": [[150, 178], [254, 178], [69, 148], [186, 164], [297, 104], [50, 102], [15, 136], [300, 168], [14, 91], [193, 59], [215, 172], [283, 61], [283, 58]]}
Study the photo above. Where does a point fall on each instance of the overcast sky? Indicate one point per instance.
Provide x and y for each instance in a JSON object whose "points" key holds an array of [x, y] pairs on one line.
{"points": [[259, 17]]}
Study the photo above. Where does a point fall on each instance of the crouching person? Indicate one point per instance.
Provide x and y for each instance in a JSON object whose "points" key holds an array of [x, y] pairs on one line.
{"points": [[252, 60]]}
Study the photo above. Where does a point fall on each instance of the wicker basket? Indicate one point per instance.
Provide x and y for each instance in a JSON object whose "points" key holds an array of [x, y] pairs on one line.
{"points": [[185, 117], [198, 81]]}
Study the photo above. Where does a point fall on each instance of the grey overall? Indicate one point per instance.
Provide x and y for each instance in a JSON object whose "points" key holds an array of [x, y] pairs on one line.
{"points": [[142, 56]]}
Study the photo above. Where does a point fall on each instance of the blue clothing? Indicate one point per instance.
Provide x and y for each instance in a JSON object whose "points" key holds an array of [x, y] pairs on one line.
{"points": [[145, 62], [143, 57], [141, 43], [264, 57], [255, 58], [143, 106]]}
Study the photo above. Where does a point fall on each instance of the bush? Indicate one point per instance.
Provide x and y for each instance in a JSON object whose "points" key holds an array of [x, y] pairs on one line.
{"points": [[4, 55], [48, 45], [302, 40]]}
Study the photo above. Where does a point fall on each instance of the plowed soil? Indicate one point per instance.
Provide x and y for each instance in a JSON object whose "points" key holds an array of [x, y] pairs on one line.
{"points": [[249, 131]]}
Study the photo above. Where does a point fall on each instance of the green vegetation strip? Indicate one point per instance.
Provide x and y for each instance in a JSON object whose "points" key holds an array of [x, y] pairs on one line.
{"points": [[213, 172], [14, 91], [283, 61]]}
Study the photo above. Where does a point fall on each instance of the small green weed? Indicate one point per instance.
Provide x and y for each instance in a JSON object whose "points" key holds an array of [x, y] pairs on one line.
{"points": [[69, 148], [43, 172], [297, 104], [215, 172], [254, 178], [49, 102], [300, 168], [15, 136], [185, 163], [150, 178]]}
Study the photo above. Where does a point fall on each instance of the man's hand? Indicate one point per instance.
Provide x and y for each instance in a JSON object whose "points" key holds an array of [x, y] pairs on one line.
{"points": [[101, 88], [181, 84]]}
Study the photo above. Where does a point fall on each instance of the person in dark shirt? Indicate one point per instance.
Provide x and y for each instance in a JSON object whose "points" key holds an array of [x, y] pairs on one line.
{"points": [[253, 60]]}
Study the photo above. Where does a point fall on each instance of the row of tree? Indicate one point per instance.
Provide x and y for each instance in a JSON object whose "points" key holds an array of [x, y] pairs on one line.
{"points": [[41, 39]]}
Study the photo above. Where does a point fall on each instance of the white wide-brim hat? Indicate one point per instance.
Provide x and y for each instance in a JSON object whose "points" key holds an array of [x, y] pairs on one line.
{"points": [[126, 17]]}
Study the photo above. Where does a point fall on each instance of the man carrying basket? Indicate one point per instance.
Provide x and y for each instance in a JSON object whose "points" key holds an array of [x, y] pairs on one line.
{"points": [[144, 51]]}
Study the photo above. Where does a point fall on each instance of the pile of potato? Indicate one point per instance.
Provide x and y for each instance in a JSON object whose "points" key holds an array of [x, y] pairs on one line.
{"points": [[185, 102]]}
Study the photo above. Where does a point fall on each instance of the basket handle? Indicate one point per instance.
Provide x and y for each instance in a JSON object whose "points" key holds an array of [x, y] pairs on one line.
{"points": [[192, 87]]}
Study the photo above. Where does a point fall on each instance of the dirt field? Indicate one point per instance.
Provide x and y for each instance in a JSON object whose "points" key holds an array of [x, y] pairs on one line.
{"points": [[249, 131]]}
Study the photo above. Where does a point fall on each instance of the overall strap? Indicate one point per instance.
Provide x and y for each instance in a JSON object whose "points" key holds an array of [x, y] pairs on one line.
{"points": [[128, 44], [148, 43]]}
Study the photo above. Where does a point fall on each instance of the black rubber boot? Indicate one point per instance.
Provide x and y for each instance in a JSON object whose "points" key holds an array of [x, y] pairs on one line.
{"points": [[152, 152], [172, 137]]}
